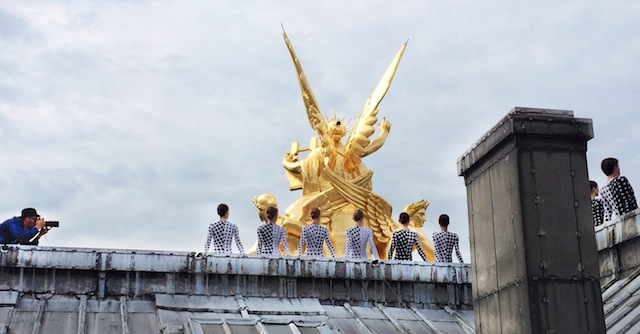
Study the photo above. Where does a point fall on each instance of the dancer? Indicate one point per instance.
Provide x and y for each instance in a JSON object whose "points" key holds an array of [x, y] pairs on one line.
{"points": [[617, 195], [270, 235], [314, 236], [357, 238], [222, 233], [446, 241], [404, 240]]}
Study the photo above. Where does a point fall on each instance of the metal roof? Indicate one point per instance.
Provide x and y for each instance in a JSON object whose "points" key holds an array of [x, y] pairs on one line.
{"points": [[621, 303], [64, 290], [28, 313]]}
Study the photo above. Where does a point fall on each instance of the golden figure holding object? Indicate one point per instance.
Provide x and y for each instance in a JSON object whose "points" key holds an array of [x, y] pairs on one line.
{"points": [[332, 176]]}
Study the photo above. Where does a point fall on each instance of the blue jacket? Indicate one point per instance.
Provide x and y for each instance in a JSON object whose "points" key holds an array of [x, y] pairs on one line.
{"points": [[12, 232]]}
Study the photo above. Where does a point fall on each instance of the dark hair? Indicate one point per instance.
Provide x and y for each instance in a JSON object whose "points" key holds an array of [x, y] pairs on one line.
{"points": [[358, 215], [443, 220], [315, 213], [223, 209], [592, 185], [404, 218], [272, 212], [608, 165]]}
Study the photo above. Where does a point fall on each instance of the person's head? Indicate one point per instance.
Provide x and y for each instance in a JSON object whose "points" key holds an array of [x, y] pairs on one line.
{"points": [[29, 216], [262, 203], [610, 166], [272, 213], [443, 220], [404, 218], [594, 188], [223, 210], [358, 215], [315, 213]]}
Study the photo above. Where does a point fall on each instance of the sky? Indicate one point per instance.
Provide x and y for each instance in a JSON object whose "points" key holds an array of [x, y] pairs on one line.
{"points": [[129, 122]]}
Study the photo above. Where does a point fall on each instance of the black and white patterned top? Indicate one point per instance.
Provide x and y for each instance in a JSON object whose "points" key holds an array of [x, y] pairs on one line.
{"points": [[222, 234], [314, 236], [357, 239], [269, 238], [445, 242], [403, 242], [597, 210], [618, 198]]}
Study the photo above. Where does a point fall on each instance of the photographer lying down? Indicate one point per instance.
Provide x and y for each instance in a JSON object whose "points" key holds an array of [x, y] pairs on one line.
{"points": [[26, 229]]}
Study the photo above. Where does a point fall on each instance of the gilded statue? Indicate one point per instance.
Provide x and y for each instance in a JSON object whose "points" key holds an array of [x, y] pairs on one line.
{"points": [[333, 176]]}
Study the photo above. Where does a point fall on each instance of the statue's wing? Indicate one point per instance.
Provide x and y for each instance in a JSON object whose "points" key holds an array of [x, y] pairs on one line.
{"points": [[316, 119], [363, 128], [377, 209]]}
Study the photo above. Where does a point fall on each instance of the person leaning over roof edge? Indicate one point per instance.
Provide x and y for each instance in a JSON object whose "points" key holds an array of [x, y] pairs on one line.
{"points": [[24, 230]]}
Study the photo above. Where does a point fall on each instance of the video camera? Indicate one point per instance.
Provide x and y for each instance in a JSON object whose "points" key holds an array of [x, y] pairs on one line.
{"points": [[52, 223]]}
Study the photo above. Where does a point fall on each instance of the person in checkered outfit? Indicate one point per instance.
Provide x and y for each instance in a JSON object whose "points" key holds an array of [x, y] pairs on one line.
{"points": [[617, 195], [222, 233], [314, 236], [270, 235], [404, 240], [358, 237], [445, 241], [597, 205]]}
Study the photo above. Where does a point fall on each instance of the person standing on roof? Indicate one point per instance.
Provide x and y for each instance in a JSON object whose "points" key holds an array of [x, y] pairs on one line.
{"points": [[270, 235], [222, 233], [314, 236], [445, 241]]}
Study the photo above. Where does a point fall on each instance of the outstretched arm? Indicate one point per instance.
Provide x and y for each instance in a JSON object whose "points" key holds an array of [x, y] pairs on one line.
{"points": [[375, 144]]}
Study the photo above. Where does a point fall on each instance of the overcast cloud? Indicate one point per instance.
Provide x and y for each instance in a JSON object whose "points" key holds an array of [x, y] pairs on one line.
{"points": [[130, 121]]}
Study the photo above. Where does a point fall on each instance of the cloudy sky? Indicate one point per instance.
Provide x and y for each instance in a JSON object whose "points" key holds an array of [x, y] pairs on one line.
{"points": [[130, 121]]}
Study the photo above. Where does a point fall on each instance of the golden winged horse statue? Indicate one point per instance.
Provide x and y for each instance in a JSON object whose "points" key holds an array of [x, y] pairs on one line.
{"points": [[332, 176]]}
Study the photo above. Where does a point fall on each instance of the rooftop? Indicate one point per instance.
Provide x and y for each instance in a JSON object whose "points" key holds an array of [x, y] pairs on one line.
{"points": [[64, 290]]}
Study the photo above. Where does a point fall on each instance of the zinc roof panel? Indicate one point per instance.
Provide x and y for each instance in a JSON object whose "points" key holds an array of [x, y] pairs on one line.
{"points": [[369, 313], [399, 313], [8, 298], [436, 314], [190, 302], [417, 327], [294, 306], [140, 323], [379, 326], [59, 322], [334, 311], [344, 325]]}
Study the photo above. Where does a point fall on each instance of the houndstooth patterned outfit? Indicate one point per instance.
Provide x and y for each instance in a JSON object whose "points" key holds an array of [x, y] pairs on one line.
{"points": [[222, 234], [357, 239], [445, 242], [597, 210], [269, 238], [403, 242], [314, 235], [618, 198]]}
